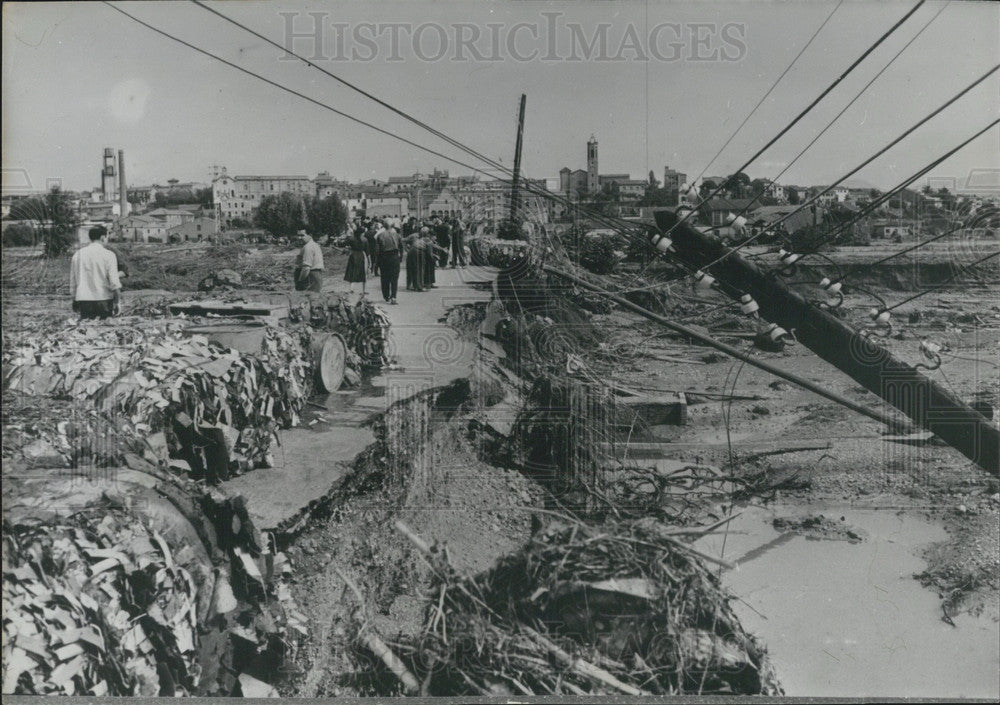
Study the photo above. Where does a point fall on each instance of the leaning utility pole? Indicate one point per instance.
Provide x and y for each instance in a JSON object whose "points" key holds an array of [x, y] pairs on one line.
{"points": [[927, 403], [515, 185]]}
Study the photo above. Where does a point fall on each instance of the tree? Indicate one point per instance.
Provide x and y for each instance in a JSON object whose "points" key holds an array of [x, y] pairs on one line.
{"points": [[53, 218], [609, 192], [176, 198], [204, 197], [27, 209], [793, 197], [653, 183], [19, 235], [738, 185], [326, 216], [281, 215], [707, 187], [61, 222], [659, 198]]}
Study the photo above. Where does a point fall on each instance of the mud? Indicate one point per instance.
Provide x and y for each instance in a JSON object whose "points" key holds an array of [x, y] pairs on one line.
{"points": [[848, 618]]}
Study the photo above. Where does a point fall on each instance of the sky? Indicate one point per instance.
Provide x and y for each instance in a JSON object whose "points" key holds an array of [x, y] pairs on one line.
{"points": [[668, 85]]}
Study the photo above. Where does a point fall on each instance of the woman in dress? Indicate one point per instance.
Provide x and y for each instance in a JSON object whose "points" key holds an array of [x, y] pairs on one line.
{"points": [[356, 261]]}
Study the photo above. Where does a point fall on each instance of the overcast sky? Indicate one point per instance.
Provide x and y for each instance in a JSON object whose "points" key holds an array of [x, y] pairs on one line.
{"points": [[78, 77]]}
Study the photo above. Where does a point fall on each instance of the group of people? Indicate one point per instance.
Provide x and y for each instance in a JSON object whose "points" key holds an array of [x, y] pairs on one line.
{"points": [[377, 246], [381, 246]]}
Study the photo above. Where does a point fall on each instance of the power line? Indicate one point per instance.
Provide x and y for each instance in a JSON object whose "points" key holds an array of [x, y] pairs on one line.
{"points": [[606, 220], [813, 104], [898, 189], [292, 90], [906, 250], [863, 164], [528, 185], [769, 91], [829, 88], [939, 285], [405, 115], [857, 96]]}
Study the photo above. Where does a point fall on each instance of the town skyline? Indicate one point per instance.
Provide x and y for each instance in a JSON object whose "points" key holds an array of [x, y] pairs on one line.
{"points": [[80, 78]]}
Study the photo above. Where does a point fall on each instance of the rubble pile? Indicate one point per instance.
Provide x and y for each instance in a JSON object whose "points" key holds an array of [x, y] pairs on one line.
{"points": [[60, 433], [96, 607], [139, 583], [610, 609], [209, 400], [222, 279], [364, 327], [494, 252]]}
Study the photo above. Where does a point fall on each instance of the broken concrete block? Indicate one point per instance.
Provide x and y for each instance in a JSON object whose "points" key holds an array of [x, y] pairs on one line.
{"points": [[663, 410]]}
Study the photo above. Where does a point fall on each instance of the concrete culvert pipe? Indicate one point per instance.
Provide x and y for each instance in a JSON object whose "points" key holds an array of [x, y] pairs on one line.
{"points": [[329, 354]]}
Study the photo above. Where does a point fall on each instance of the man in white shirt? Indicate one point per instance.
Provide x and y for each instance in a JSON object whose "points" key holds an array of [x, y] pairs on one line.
{"points": [[93, 278], [309, 275]]}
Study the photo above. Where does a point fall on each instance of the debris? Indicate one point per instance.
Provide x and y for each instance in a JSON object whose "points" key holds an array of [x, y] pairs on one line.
{"points": [[152, 379], [820, 527], [250, 687], [600, 601], [371, 641], [363, 327], [122, 616]]}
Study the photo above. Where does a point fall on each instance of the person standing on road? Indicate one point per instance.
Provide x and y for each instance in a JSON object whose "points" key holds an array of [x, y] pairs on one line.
{"points": [[442, 234], [389, 247], [457, 243], [370, 234], [430, 257], [93, 278], [309, 273], [355, 273], [415, 251]]}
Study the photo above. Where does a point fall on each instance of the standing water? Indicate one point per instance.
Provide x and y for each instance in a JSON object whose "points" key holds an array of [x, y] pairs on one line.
{"points": [[844, 616]]}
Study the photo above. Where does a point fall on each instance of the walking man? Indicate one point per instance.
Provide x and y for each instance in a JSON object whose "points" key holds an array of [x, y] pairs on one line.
{"points": [[389, 248], [309, 274], [93, 278]]}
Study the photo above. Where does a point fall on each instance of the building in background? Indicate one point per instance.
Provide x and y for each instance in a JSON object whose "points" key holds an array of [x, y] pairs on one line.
{"points": [[580, 183], [386, 207], [238, 196], [201, 228], [673, 179]]}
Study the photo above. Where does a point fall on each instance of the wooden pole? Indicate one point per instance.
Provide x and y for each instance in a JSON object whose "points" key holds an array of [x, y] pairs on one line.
{"points": [[928, 404], [515, 195]]}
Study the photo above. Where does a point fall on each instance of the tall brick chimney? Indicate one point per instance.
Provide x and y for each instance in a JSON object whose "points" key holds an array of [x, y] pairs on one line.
{"points": [[122, 193]]}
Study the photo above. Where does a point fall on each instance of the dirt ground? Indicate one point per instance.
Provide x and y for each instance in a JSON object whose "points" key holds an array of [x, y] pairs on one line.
{"points": [[852, 463], [174, 268]]}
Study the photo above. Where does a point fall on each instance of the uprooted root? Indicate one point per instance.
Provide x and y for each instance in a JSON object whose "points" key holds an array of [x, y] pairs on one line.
{"points": [[620, 608]]}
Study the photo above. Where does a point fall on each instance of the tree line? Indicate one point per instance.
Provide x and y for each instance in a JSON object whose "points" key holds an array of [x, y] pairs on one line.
{"points": [[284, 214], [51, 220]]}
